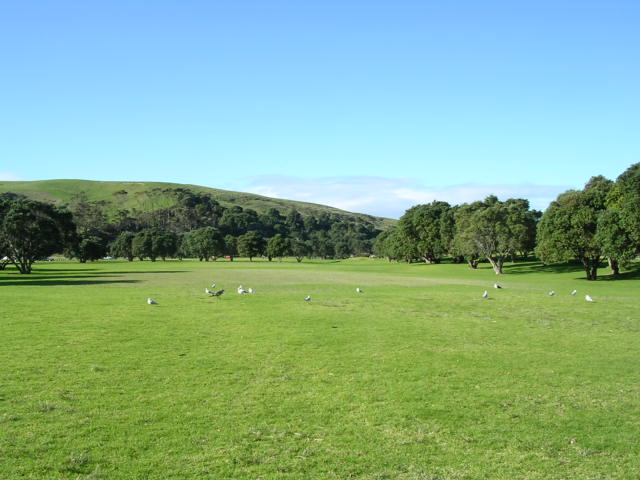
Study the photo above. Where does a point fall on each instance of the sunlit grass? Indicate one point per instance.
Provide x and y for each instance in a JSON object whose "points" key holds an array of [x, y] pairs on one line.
{"points": [[416, 378]]}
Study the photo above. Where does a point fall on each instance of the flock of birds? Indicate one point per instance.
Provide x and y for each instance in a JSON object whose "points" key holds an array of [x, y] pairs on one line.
{"points": [[242, 291], [588, 298]]}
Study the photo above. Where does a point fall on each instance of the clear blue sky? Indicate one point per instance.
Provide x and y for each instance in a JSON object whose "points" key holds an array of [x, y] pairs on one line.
{"points": [[372, 106]]}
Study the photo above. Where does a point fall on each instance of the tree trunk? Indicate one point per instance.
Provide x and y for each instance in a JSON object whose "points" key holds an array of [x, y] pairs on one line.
{"points": [[23, 268], [614, 265], [590, 267], [496, 264], [23, 264]]}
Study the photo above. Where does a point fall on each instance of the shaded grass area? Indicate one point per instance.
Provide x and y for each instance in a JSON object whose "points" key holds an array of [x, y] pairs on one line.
{"points": [[416, 378]]}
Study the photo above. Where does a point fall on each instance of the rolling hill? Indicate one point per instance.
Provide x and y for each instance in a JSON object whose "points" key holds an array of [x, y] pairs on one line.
{"points": [[150, 196]]}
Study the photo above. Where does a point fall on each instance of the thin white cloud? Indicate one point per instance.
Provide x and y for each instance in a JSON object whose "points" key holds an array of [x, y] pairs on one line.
{"points": [[8, 177], [390, 197]]}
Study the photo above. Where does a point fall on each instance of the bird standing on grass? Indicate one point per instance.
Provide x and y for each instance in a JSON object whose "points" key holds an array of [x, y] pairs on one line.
{"points": [[588, 298], [206, 290], [308, 298], [358, 290], [241, 290], [485, 294], [151, 302], [552, 293], [495, 285], [217, 294], [574, 292]]}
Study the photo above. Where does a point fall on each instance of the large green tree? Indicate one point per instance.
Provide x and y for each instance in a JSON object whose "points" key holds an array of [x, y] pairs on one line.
{"points": [[299, 248], [321, 245], [142, 245], [122, 246], [278, 246], [30, 230], [568, 228], [614, 240], [230, 246], [463, 244], [88, 248], [522, 222], [429, 229], [625, 199], [250, 245], [205, 243], [164, 243]]}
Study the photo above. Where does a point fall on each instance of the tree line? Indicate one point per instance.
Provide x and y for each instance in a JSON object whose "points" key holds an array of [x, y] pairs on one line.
{"points": [[600, 222], [196, 226]]}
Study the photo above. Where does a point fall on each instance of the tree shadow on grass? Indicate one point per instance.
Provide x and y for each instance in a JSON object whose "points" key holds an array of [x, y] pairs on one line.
{"points": [[127, 272], [631, 273], [49, 271], [49, 278], [80, 273], [537, 267], [50, 282]]}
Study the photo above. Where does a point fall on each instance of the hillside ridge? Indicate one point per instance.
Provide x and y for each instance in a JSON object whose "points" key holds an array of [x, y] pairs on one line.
{"points": [[150, 196]]}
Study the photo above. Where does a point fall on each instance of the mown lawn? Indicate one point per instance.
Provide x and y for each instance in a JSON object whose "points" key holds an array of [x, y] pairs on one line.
{"points": [[417, 377]]}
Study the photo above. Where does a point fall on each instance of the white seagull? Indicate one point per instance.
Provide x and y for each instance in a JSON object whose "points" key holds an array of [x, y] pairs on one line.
{"points": [[358, 290], [485, 294], [308, 298], [251, 290], [574, 292], [588, 298], [241, 290], [495, 285], [552, 293], [206, 290], [213, 285], [151, 302]]}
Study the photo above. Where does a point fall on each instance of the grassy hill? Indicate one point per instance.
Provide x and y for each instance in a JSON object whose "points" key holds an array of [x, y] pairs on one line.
{"points": [[150, 196]]}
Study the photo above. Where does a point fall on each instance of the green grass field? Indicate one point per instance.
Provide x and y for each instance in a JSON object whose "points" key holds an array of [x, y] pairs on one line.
{"points": [[416, 378]]}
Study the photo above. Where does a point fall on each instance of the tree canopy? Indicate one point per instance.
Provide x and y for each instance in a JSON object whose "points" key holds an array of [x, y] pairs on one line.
{"points": [[30, 230]]}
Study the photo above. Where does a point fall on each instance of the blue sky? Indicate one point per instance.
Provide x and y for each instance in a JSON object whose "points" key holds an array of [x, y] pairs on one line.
{"points": [[372, 106]]}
